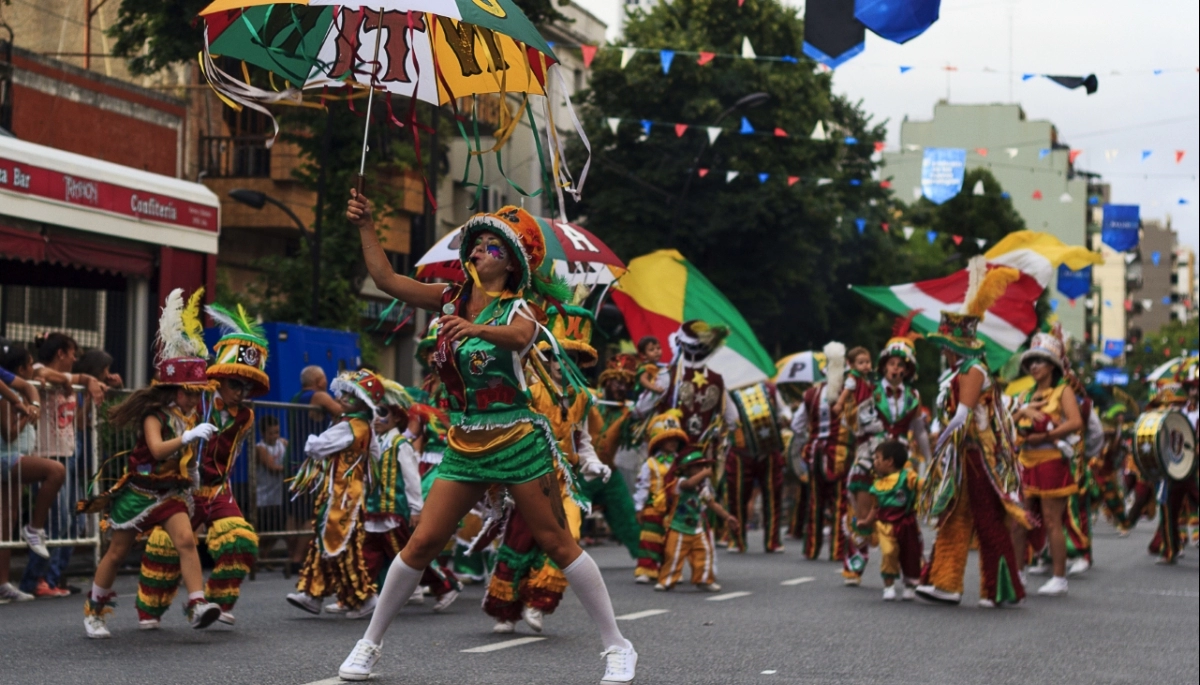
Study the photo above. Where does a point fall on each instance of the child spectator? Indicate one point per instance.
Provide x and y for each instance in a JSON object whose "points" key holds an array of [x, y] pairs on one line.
{"points": [[269, 456], [689, 537], [894, 516], [649, 354]]}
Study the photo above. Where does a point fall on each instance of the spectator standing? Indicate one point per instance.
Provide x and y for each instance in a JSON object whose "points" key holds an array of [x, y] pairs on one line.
{"points": [[270, 456]]}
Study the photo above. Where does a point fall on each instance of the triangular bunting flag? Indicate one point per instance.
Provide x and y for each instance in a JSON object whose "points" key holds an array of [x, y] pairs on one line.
{"points": [[613, 123], [824, 181], [1179, 155], [680, 129], [589, 54], [762, 178], [908, 232], [746, 129], [702, 172], [904, 69], [626, 55], [981, 242], [713, 132], [957, 239], [1037, 194], [747, 49], [884, 226], [978, 189], [1110, 155], [1065, 198], [646, 124], [931, 236], [916, 192], [981, 151], [1012, 152], [818, 131], [1146, 154], [861, 224], [780, 133], [1073, 155], [1043, 152], [793, 180], [730, 175], [885, 184], [666, 56], [705, 58], [879, 146]]}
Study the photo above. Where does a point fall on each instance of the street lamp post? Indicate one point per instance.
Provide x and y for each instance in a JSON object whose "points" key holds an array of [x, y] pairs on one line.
{"points": [[748, 102], [258, 200]]}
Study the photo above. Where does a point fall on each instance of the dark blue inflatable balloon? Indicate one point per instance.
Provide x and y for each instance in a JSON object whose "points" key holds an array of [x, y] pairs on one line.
{"points": [[897, 20]]}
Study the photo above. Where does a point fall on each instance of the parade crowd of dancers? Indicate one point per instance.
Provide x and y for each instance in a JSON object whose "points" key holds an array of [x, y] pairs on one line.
{"points": [[487, 471]]}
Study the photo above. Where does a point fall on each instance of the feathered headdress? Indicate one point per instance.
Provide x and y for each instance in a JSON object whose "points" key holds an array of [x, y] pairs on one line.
{"points": [[958, 331], [835, 371], [903, 343], [182, 355], [698, 339], [242, 350]]}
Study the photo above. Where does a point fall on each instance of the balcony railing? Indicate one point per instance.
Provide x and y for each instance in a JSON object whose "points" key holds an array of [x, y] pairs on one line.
{"points": [[235, 157]]}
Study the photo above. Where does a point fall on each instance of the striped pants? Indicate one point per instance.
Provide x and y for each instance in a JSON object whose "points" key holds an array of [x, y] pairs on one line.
{"points": [[695, 550], [743, 473]]}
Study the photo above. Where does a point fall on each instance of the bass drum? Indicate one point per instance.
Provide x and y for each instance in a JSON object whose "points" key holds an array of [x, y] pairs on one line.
{"points": [[759, 419], [1165, 446]]}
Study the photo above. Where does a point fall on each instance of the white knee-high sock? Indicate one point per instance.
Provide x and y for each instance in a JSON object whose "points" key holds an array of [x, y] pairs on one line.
{"points": [[585, 579], [398, 587]]}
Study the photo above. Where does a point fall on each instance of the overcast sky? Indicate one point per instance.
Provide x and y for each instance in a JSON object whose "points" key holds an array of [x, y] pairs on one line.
{"points": [[1120, 41]]}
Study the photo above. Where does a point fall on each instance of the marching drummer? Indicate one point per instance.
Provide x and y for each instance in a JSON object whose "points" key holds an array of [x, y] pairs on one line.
{"points": [[757, 460], [1177, 456]]}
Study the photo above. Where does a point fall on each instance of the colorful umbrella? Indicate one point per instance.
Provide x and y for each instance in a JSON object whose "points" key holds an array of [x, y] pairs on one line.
{"points": [[571, 251], [801, 367], [1169, 369], [661, 290]]}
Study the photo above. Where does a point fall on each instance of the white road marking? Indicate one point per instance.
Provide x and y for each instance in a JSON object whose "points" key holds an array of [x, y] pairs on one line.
{"points": [[769, 672], [797, 581], [729, 595], [334, 681], [1162, 593], [643, 614], [495, 647]]}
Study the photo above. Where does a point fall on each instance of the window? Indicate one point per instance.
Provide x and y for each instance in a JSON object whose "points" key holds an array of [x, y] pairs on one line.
{"points": [[30, 311]]}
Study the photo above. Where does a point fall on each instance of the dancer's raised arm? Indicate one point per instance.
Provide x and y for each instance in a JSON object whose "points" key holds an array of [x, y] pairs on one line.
{"points": [[403, 288]]}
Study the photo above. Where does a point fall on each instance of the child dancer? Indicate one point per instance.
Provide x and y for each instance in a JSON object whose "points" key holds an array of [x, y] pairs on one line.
{"points": [[856, 397], [156, 487], [337, 466], [688, 535], [241, 357], [667, 437], [894, 517]]}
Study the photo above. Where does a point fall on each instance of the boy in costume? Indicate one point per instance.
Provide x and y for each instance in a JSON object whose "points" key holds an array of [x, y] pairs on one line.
{"points": [[893, 514], [241, 357], [666, 439], [689, 538], [973, 483], [337, 468]]}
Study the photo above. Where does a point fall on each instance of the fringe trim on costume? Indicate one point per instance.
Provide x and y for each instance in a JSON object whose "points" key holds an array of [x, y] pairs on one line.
{"points": [[105, 608], [548, 578]]}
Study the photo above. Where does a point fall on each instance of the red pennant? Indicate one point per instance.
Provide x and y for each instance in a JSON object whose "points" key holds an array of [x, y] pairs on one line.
{"points": [[1179, 156], [741, 2], [1167, 351], [1129, 305], [680, 129], [884, 226], [1072, 303], [885, 184], [793, 180], [981, 151], [705, 58], [879, 146], [703, 173], [780, 133], [1037, 194], [589, 54], [1073, 155], [957, 239]]}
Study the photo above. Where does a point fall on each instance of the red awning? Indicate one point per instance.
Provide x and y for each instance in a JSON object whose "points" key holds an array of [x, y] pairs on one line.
{"points": [[23, 245], [67, 249]]}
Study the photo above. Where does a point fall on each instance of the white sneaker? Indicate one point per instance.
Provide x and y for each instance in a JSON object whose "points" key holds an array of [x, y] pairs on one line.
{"points": [[659, 587], [418, 596], [908, 595], [504, 628], [1055, 587], [305, 602], [10, 593], [643, 580], [203, 614], [336, 608], [445, 601], [711, 587], [533, 617], [931, 594], [1079, 567], [149, 624], [226, 618], [36, 539], [96, 627], [1038, 569], [358, 665], [365, 610], [1024, 578], [620, 665], [852, 581], [889, 593]]}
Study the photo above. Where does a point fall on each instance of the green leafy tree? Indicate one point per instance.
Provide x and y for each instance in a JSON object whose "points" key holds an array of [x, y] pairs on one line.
{"points": [[1176, 339], [972, 217]]}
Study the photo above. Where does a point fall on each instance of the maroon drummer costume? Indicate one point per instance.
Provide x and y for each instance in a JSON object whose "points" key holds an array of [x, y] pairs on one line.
{"points": [[756, 460]]}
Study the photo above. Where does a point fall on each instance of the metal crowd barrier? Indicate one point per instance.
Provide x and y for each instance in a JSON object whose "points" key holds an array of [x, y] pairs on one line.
{"points": [[260, 486]]}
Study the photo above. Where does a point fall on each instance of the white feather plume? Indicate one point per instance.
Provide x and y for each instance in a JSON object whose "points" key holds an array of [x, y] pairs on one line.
{"points": [[223, 320], [976, 271], [835, 371], [172, 342]]}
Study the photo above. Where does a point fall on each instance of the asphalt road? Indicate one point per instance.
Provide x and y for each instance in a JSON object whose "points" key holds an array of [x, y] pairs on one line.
{"points": [[1126, 621]]}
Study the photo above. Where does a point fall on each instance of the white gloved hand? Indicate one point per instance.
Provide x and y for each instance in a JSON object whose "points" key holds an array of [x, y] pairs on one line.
{"points": [[204, 431], [592, 470], [959, 420]]}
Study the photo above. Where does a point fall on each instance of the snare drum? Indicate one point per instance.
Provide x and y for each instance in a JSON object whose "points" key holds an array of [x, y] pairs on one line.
{"points": [[760, 422], [1165, 445]]}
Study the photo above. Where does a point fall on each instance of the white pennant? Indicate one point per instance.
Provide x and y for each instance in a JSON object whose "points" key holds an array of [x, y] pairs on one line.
{"points": [[1065, 198], [1110, 155], [713, 132], [981, 242], [908, 232], [824, 181], [626, 55], [730, 175], [1012, 152], [747, 49], [912, 147], [978, 189], [916, 192], [613, 123], [819, 131]]}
